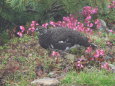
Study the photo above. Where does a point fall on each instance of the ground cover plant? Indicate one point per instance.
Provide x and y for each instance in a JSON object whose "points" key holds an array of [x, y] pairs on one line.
{"points": [[20, 57]]}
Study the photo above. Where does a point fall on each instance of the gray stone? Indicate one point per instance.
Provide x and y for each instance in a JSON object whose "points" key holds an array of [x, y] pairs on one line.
{"points": [[46, 81], [103, 25]]}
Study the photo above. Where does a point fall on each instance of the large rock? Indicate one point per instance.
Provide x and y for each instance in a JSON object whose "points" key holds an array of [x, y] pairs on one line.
{"points": [[46, 81]]}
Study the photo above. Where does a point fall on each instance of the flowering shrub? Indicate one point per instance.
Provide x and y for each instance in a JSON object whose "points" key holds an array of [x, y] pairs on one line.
{"points": [[71, 22], [99, 53], [30, 30], [88, 11], [112, 5]]}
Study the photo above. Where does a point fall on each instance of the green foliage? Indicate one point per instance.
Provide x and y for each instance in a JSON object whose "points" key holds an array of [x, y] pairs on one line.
{"points": [[18, 12], [4, 37], [74, 6], [24, 39], [90, 77]]}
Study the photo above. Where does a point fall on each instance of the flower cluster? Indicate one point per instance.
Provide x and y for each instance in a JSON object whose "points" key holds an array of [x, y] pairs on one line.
{"points": [[105, 66], [99, 53], [33, 26], [88, 10], [31, 29], [72, 22], [109, 43], [55, 54], [89, 49], [45, 25], [112, 5], [96, 54], [80, 63], [20, 33]]}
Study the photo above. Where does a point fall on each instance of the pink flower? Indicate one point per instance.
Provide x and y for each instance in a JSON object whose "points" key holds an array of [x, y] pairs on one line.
{"points": [[112, 5], [66, 19], [105, 66], [88, 17], [33, 22], [109, 43], [99, 53], [52, 23], [88, 50], [98, 23], [20, 34], [45, 25], [87, 11], [32, 25], [92, 59], [32, 29], [94, 11], [96, 55], [79, 65], [111, 31], [37, 24], [54, 53], [90, 25], [22, 28], [88, 30], [109, 6]]}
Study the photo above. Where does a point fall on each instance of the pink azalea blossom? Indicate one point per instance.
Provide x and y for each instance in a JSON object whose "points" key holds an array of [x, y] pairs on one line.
{"points": [[22, 28], [86, 21], [37, 24], [88, 17], [32, 25], [45, 25], [98, 53], [90, 25], [33, 22], [66, 19], [109, 43], [92, 59], [98, 23], [88, 30], [79, 64], [54, 53], [105, 66], [32, 29], [87, 10], [53, 23], [112, 5], [94, 11], [20, 34], [88, 50], [111, 31]]}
